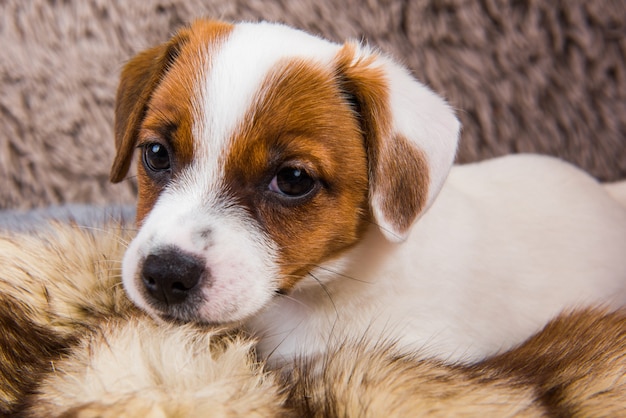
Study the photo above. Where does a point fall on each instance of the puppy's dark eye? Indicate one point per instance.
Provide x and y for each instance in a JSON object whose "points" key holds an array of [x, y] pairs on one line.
{"points": [[156, 158], [292, 182]]}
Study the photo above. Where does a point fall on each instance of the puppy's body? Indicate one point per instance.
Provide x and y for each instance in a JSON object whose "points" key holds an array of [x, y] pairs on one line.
{"points": [[506, 246], [273, 162]]}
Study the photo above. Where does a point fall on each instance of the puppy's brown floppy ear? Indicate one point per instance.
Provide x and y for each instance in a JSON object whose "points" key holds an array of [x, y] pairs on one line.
{"points": [[411, 136], [140, 76]]}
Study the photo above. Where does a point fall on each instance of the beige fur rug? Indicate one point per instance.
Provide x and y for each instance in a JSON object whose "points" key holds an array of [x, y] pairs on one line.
{"points": [[541, 76], [73, 345]]}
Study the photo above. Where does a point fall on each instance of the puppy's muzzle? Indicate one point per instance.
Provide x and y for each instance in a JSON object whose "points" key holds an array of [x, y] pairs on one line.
{"points": [[171, 275]]}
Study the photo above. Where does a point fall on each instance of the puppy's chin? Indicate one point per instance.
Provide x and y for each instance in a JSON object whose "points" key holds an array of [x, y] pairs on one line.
{"points": [[166, 318], [179, 316], [183, 316], [200, 313]]}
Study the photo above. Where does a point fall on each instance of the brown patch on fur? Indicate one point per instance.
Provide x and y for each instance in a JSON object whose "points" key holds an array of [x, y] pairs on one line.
{"points": [[27, 352], [405, 190], [302, 118], [54, 286], [353, 380], [574, 367], [154, 103], [399, 174], [577, 364]]}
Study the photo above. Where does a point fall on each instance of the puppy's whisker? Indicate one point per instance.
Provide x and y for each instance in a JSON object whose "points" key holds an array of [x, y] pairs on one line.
{"points": [[329, 270], [387, 230], [345, 276], [332, 328], [297, 301], [282, 340], [330, 298]]}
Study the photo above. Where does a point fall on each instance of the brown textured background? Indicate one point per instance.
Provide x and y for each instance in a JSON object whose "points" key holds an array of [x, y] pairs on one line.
{"points": [[525, 76]]}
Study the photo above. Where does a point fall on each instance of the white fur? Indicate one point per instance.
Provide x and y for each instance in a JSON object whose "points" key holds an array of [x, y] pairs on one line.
{"points": [[241, 285]]}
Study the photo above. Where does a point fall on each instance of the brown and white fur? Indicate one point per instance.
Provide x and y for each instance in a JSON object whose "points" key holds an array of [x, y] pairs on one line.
{"points": [[73, 345], [575, 367], [306, 189]]}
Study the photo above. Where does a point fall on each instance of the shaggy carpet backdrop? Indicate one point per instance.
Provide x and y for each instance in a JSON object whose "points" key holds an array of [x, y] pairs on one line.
{"points": [[525, 75]]}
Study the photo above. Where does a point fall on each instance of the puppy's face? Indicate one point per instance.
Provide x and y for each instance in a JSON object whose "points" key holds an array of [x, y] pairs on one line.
{"points": [[262, 153]]}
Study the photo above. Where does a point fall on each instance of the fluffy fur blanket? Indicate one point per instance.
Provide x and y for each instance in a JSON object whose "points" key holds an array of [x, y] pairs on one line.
{"points": [[72, 345], [540, 76]]}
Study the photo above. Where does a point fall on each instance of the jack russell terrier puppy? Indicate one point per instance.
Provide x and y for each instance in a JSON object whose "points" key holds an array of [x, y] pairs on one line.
{"points": [[305, 189]]}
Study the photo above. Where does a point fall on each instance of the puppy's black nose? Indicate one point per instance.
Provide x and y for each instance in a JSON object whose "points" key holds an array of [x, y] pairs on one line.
{"points": [[171, 274]]}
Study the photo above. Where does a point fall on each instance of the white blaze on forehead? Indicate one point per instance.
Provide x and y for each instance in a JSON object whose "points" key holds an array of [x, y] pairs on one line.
{"points": [[233, 76]]}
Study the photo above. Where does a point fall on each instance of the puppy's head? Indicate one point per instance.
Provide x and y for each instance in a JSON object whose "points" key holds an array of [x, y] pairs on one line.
{"points": [[262, 153]]}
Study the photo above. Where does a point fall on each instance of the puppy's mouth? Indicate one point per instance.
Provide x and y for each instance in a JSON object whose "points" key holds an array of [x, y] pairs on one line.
{"points": [[189, 312], [178, 315], [184, 320]]}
